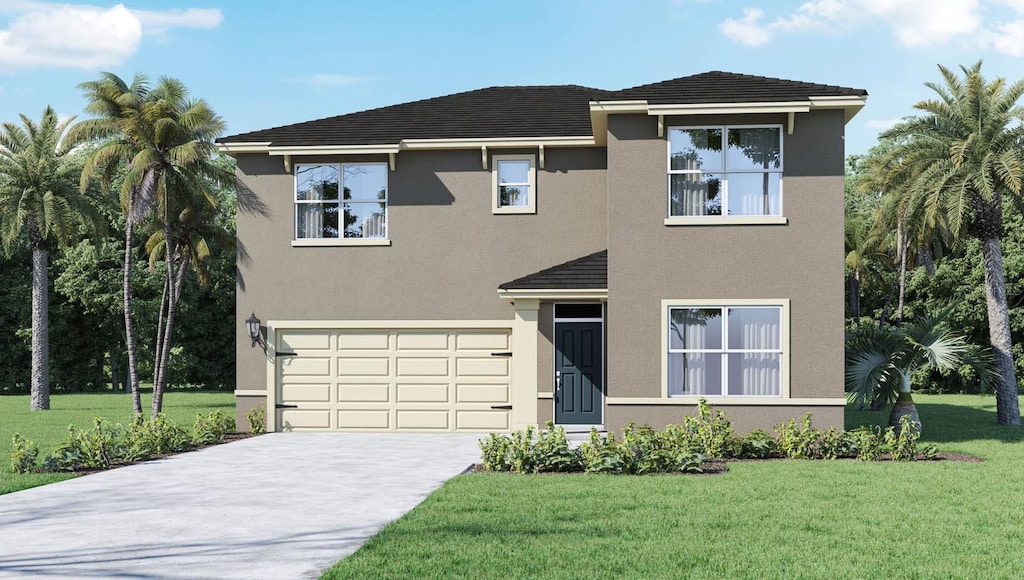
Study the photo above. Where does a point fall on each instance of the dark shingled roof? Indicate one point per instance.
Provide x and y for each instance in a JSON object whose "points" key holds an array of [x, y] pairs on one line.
{"points": [[588, 272], [537, 111], [555, 111], [725, 87]]}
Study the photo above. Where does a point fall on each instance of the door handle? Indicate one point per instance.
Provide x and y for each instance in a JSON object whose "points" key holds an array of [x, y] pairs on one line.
{"points": [[558, 379], [283, 406]]}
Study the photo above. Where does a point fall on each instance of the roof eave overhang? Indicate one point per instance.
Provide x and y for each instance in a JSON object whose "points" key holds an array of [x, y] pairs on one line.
{"points": [[599, 110], [408, 144], [511, 295]]}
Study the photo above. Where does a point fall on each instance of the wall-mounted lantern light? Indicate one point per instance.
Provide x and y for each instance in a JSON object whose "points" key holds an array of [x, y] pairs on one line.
{"points": [[252, 324]]}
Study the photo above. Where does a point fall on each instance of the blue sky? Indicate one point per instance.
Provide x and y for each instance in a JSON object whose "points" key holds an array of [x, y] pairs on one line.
{"points": [[262, 64]]}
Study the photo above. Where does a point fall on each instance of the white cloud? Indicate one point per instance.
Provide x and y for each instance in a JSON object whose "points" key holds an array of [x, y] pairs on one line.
{"points": [[747, 30], [84, 35], [913, 23], [881, 124]]}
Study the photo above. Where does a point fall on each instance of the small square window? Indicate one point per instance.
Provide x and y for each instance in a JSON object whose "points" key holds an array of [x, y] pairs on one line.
{"points": [[514, 188]]}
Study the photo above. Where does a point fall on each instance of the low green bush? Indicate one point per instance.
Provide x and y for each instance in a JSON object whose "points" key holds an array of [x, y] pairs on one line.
{"points": [[211, 428], [151, 437], [799, 441], [837, 443], [257, 419], [23, 454], [758, 444], [868, 441], [95, 448], [903, 445]]}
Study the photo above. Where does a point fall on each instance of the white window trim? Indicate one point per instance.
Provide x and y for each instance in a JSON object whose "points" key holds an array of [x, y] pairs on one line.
{"points": [[784, 342], [341, 240], [531, 206], [724, 219]]}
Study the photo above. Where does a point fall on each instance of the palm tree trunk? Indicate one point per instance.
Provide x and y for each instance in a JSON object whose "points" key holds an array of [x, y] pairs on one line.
{"points": [[1007, 406], [901, 253], [158, 351], [129, 325], [168, 324], [40, 330]]}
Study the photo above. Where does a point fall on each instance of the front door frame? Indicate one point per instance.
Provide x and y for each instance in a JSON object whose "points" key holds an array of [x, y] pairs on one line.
{"points": [[555, 320]]}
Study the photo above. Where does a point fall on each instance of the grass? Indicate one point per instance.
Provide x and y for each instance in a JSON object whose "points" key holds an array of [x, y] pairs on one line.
{"points": [[48, 428], [769, 519]]}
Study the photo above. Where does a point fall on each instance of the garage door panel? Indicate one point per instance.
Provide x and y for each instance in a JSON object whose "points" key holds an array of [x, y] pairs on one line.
{"points": [[484, 367], [484, 420], [466, 393], [363, 340], [422, 366], [306, 366], [482, 341], [380, 393], [364, 419], [363, 367], [424, 393], [423, 341], [306, 393], [304, 419], [305, 340], [419, 379], [420, 419]]}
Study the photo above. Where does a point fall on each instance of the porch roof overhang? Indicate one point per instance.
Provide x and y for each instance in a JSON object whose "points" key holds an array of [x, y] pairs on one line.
{"points": [[584, 278]]}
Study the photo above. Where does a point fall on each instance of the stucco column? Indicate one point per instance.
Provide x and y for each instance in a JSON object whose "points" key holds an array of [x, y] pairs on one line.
{"points": [[524, 363]]}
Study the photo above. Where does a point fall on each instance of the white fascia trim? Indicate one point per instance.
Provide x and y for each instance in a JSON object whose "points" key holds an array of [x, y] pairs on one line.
{"points": [[618, 106], [498, 142], [726, 220], [600, 294], [314, 242], [385, 324], [725, 401], [730, 108], [837, 102], [232, 148], [335, 150], [250, 392]]}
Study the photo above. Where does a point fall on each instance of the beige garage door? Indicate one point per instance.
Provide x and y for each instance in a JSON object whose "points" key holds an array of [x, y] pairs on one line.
{"points": [[393, 380]]}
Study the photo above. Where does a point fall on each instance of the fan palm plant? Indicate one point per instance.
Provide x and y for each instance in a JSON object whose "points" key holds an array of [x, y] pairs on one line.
{"points": [[880, 361], [41, 205]]}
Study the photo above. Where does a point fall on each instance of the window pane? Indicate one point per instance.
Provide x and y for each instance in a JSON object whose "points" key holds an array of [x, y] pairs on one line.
{"points": [[754, 194], [513, 195], [754, 328], [695, 194], [754, 149], [695, 328], [366, 182], [513, 171], [695, 149], [577, 310], [365, 220], [695, 374], [755, 374], [316, 220], [316, 182]]}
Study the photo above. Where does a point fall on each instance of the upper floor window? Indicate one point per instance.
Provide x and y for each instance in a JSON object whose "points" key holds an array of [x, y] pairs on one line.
{"points": [[514, 188], [725, 171], [346, 201]]}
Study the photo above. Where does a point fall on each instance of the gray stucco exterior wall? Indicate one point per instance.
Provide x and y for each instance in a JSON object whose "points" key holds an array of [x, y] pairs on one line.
{"points": [[448, 251], [649, 261]]}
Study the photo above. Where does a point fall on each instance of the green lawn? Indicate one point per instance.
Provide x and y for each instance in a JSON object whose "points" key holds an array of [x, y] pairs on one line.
{"points": [[769, 519], [48, 428]]}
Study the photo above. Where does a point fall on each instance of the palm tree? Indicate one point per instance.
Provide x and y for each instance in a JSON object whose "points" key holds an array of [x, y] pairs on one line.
{"points": [[880, 361], [118, 126], [958, 161], [165, 140], [39, 203]]}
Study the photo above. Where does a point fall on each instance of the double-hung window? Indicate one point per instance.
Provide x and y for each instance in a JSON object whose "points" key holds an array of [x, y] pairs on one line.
{"points": [[344, 201], [725, 171], [514, 188], [725, 350]]}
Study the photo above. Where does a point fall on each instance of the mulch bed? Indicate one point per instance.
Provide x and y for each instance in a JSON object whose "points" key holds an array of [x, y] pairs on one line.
{"points": [[720, 466]]}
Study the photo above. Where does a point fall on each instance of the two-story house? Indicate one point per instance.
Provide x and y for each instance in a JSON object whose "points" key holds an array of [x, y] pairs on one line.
{"points": [[497, 258]]}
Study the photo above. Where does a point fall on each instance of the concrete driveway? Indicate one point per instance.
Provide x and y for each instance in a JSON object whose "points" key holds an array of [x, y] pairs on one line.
{"points": [[282, 505]]}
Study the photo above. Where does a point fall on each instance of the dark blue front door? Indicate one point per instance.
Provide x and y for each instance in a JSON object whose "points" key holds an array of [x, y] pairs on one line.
{"points": [[578, 373]]}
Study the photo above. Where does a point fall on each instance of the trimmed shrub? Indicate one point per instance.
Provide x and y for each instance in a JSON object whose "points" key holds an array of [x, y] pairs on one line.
{"points": [[23, 454], [758, 444], [257, 419]]}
